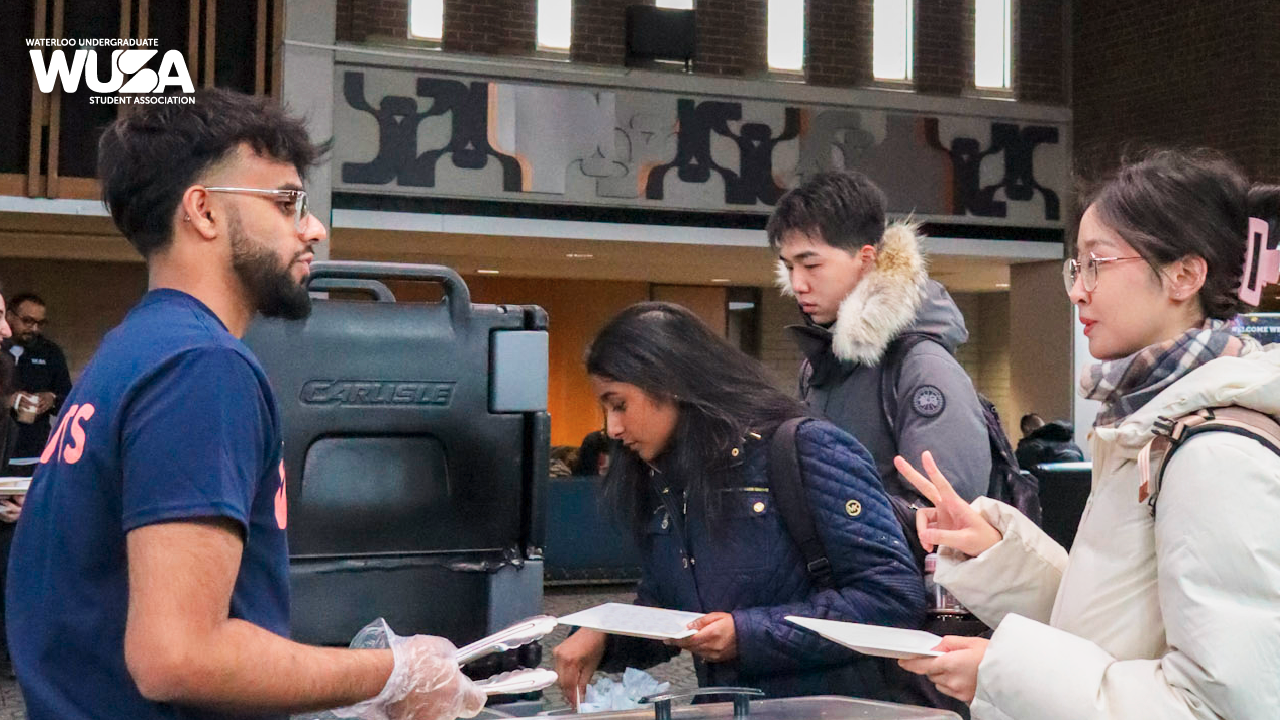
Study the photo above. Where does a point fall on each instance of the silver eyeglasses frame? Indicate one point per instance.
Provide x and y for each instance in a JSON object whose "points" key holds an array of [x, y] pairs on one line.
{"points": [[1073, 268], [297, 197]]}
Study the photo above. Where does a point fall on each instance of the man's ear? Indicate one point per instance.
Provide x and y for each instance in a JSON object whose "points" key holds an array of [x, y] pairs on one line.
{"points": [[867, 253], [1183, 278], [195, 210]]}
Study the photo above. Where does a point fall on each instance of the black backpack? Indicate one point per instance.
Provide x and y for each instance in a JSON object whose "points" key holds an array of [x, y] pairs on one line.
{"points": [[1007, 483], [786, 485]]}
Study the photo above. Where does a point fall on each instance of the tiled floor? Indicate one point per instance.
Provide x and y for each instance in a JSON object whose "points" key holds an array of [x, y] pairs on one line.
{"points": [[558, 601]]}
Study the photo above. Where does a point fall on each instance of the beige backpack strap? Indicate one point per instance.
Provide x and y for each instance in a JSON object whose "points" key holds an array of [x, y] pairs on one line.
{"points": [[1171, 433]]}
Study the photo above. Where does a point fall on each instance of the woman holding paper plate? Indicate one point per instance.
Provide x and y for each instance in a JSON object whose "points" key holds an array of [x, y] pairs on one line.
{"points": [[1168, 605], [694, 417]]}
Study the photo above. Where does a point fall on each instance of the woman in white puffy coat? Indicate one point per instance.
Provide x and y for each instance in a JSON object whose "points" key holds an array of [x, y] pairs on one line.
{"points": [[1171, 612]]}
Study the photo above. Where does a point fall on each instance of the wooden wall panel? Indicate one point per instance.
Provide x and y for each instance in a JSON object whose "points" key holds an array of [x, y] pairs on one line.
{"points": [[577, 310], [708, 303]]}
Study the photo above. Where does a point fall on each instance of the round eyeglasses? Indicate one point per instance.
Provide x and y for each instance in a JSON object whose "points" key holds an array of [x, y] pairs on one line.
{"points": [[1087, 271], [294, 200]]}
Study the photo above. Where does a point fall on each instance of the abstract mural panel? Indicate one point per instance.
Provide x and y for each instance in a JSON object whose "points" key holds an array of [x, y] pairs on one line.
{"points": [[405, 132]]}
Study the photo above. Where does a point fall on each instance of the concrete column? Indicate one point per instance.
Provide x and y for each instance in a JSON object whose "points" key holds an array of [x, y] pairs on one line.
{"points": [[1083, 411], [308, 91], [1041, 347]]}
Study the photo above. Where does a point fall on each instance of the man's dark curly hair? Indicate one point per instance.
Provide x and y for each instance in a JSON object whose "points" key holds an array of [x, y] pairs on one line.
{"points": [[148, 158]]}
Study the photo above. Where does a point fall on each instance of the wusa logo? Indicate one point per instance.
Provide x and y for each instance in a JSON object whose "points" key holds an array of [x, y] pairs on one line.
{"points": [[123, 71]]}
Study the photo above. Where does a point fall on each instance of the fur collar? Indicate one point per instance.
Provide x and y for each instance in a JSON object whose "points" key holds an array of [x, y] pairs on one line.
{"points": [[886, 301]]}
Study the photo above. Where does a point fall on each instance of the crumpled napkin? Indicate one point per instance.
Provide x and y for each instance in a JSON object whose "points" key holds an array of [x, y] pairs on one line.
{"points": [[609, 695]]}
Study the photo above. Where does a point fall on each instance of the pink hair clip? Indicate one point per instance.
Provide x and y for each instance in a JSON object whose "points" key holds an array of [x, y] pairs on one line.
{"points": [[1261, 262]]}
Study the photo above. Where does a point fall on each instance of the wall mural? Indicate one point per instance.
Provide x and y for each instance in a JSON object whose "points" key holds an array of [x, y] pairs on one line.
{"points": [[398, 132]]}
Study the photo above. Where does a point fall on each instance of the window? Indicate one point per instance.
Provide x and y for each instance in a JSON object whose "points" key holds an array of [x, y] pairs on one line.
{"points": [[426, 19], [786, 35], [993, 44], [893, 39], [676, 4], [555, 24]]}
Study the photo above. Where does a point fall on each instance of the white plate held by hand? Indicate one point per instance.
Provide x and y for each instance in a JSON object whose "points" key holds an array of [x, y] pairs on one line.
{"points": [[889, 642], [634, 620], [14, 485]]}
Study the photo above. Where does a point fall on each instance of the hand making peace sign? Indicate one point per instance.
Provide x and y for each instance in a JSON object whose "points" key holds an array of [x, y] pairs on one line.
{"points": [[951, 521]]}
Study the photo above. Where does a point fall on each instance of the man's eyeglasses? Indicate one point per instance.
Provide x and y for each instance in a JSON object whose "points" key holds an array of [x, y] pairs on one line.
{"points": [[296, 200], [32, 322], [1087, 271]]}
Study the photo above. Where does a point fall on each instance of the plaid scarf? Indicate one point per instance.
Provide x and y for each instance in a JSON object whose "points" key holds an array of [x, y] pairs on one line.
{"points": [[1127, 384]]}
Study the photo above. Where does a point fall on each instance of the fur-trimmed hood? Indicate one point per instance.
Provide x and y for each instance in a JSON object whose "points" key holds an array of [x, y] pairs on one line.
{"points": [[894, 298]]}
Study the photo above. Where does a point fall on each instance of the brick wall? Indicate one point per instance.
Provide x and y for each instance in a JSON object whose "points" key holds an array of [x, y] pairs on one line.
{"points": [[986, 357], [599, 30], [491, 27], [777, 350], [733, 38], [838, 43], [488, 27], [357, 20], [1203, 75], [944, 46], [1040, 68]]}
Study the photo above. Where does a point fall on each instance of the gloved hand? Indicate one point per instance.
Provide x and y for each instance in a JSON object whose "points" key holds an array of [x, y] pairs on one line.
{"points": [[425, 684]]}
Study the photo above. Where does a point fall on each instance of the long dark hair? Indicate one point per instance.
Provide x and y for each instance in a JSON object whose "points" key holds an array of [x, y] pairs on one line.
{"points": [[721, 392], [1169, 204]]}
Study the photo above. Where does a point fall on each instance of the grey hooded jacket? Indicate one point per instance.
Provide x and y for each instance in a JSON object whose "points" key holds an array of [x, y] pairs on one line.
{"points": [[937, 408]]}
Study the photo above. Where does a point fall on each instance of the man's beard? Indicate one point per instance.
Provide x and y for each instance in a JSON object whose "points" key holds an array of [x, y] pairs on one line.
{"points": [[272, 289]]}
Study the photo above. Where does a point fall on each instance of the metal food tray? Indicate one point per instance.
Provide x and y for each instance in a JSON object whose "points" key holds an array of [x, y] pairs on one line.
{"points": [[817, 707]]}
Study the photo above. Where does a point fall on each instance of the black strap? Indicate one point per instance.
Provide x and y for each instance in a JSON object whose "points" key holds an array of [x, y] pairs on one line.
{"points": [[787, 486], [890, 371]]}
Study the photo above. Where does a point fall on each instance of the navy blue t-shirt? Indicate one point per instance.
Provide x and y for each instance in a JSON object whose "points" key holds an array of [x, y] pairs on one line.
{"points": [[172, 420]]}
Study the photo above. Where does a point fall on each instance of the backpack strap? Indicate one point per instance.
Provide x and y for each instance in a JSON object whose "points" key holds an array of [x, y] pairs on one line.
{"points": [[1171, 433], [890, 371], [787, 487]]}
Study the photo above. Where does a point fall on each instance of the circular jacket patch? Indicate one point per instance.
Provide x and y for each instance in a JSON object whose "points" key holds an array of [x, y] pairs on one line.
{"points": [[928, 401]]}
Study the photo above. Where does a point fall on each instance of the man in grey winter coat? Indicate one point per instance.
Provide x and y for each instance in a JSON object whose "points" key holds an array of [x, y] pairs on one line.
{"points": [[865, 291]]}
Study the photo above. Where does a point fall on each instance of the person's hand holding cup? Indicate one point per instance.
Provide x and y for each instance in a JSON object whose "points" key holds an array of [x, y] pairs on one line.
{"points": [[26, 407]]}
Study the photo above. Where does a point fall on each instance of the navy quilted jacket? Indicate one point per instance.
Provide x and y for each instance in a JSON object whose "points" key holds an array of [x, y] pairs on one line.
{"points": [[750, 566]]}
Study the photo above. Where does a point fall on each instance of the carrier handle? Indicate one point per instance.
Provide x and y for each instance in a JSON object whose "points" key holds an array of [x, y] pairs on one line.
{"points": [[456, 294], [741, 699], [380, 292]]}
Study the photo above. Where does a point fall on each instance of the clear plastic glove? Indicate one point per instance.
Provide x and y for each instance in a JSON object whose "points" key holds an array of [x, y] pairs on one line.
{"points": [[425, 684]]}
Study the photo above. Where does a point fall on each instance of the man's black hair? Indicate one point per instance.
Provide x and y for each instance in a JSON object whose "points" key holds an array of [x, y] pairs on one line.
{"points": [[16, 301], [845, 209], [148, 158]]}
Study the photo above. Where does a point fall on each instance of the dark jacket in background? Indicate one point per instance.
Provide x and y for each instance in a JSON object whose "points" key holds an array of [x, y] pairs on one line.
{"points": [[937, 406], [1050, 443], [42, 368], [749, 566]]}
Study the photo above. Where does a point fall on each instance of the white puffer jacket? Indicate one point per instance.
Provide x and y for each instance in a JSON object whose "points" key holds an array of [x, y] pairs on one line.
{"points": [[1176, 616]]}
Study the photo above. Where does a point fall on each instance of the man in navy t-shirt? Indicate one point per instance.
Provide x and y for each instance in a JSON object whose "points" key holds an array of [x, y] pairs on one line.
{"points": [[149, 573]]}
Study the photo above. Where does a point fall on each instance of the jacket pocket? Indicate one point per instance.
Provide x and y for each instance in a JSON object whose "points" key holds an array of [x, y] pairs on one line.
{"points": [[746, 537]]}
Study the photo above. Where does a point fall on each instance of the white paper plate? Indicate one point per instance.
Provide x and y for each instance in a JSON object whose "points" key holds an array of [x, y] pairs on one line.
{"points": [[14, 485], [634, 620], [875, 640]]}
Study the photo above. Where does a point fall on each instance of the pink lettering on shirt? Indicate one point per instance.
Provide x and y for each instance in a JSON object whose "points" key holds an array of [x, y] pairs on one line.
{"points": [[75, 449], [56, 439], [282, 502]]}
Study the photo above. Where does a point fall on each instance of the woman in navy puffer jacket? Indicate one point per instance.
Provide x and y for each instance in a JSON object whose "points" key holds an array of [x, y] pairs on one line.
{"points": [[694, 416]]}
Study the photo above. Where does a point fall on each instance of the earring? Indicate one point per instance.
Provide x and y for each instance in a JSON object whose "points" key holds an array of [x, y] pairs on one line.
{"points": [[186, 217]]}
